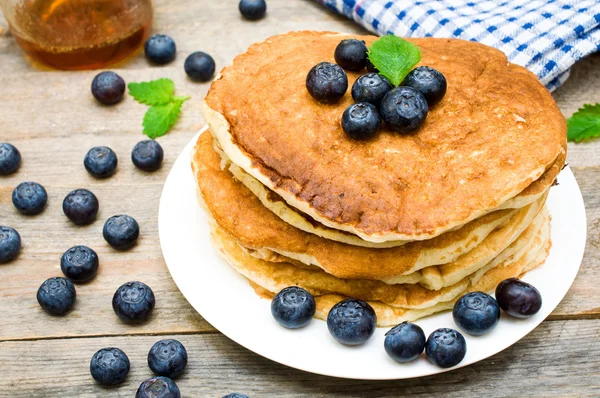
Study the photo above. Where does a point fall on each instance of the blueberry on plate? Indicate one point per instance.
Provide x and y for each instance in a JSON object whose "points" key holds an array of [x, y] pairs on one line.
{"points": [[327, 82], [371, 88], [158, 387], [371, 67], [167, 358], [81, 206], [361, 121], [199, 66], [108, 88], [351, 54], [517, 298], [101, 162], [121, 232], [10, 159], [147, 155], [445, 347], [235, 395], [10, 244], [29, 198], [79, 263], [293, 307], [133, 302], [109, 366], [56, 295], [429, 82], [404, 109], [160, 49], [476, 313], [404, 342], [351, 322], [253, 9]]}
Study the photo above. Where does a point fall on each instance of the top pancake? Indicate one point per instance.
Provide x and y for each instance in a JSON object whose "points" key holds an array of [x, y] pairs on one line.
{"points": [[495, 132]]}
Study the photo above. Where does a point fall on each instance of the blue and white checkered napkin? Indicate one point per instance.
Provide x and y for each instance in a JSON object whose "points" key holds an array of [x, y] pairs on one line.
{"points": [[546, 36]]}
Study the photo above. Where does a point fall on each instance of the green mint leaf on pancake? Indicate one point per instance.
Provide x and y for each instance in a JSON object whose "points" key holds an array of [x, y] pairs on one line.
{"points": [[394, 57], [160, 118], [155, 92], [584, 124]]}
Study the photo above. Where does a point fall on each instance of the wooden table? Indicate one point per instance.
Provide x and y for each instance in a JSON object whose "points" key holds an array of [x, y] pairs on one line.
{"points": [[53, 119]]}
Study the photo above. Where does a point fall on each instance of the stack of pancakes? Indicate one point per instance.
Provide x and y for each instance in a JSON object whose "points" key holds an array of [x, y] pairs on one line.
{"points": [[408, 223]]}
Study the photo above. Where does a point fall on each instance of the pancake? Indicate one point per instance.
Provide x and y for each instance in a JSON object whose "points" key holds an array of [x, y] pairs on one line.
{"points": [[472, 155], [393, 304], [241, 214]]}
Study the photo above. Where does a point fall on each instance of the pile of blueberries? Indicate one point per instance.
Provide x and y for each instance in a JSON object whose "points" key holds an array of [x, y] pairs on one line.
{"points": [[352, 322], [403, 108]]}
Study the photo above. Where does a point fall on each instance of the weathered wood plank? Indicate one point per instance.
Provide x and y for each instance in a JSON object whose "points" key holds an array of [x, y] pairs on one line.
{"points": [[557, 359]]}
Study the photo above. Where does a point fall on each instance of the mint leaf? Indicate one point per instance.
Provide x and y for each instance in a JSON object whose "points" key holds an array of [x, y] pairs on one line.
{"points": [[155, 92], [159, 119], [584, 124], [394, 57]]}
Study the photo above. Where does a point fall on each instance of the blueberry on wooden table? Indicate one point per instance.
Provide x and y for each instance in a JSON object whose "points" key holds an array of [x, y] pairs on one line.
{"points": [[158, 387], [160, 49], [429, 82], [56, 295], [351, 322], [518, 299], [371, 88], [133, 302], [81, 206], [404, 109], [109, 366], [101, 162], [327, 82], [445, 347], [199, 66], [108, 88], [10, 244], [10, 158], [167, 358], [79, 263], [235, 395], [253, 9], [121, 232], [29, 198], [351, 54], [147, 155], [361, 121], [404, 342], [293, 307], [476, 313]]}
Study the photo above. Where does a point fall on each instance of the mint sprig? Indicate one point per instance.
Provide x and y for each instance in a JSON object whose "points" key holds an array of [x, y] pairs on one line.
{"points": [[584, 124], [165, 107], [394, 57]]}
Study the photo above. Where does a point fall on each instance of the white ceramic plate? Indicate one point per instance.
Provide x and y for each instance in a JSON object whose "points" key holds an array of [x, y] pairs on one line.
{"points": [[226, 300]]}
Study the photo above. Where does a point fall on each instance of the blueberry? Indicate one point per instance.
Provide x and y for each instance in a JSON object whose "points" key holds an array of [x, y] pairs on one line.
{"points": [[445, 347], [518, 298], [167, 358], [403, 109], [371, 67], [293, 307], [133, 302], [371, 88], [158, 387], [160, 49], [56, 295], [109, 366], [147, 155], [404, 342], [199, 66], [79, 264], [10, 244], [351, 322], [430, 82], [253, 9], [81, 206], [476, 313], [29, 198], [121, 232], [100, 161], [351, 54], [108, 88], [327, 82], [10, 159], [235, 395], [361, 121]]}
